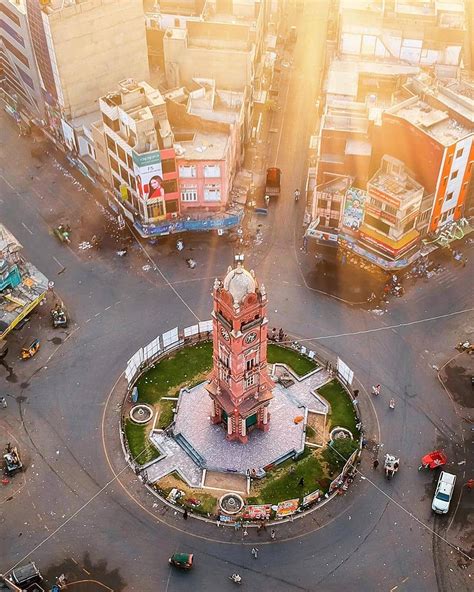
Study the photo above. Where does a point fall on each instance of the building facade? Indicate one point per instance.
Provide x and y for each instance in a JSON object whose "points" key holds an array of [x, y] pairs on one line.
{"points": [[19, 79], [240, 387]]}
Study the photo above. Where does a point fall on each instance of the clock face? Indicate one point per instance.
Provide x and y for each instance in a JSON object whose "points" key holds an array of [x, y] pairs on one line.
{"points": [[250, 337], [224, 334]]}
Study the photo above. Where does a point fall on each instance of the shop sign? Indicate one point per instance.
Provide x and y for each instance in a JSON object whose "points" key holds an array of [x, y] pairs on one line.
{"points": [[383, 196], [321, 235], [354, 208], [257, 512], [311, 497], [287, 508]]}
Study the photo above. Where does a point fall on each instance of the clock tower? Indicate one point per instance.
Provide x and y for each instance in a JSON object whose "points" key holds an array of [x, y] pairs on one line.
{"points": [[240, 387]]}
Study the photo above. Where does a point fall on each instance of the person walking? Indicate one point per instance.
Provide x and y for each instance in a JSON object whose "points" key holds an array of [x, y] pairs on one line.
{"points": [[281, 334], [301, 482], [255, 552], [376, 463], [3, 402], [376, 390], [273, 534], [185, 514]]}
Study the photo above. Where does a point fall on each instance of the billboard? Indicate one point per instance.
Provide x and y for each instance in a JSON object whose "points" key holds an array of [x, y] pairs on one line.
{"points": [[354, 208], [311, 497], [257, 512], [287, 508], [148, 171]]}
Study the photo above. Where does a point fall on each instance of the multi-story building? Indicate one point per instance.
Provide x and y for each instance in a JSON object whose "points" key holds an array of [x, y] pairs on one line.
{"points": [[393, 205], [434, 137], [140, 153], [19, 79], [108, 37], [428, 33]]}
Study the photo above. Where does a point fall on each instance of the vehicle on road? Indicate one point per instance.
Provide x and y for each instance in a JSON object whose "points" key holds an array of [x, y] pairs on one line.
{"points": [[181, 560], [444, 493], [272, 184], [58, 316], [63, 233], [391, 465], [30, 349], [27, 577], [236, 578], [12, 460], [433, 460]]}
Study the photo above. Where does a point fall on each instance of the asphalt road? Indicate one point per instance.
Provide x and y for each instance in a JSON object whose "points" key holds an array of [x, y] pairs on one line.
{"points": [[386, 539]]}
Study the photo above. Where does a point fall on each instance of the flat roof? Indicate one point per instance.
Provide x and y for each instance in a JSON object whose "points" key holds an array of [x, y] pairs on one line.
{"points": [[216, 105], [205, 146], [438, 124]]}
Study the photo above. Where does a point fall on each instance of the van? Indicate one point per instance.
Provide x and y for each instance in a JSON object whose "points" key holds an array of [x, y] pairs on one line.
{"points": [[444, 493]]}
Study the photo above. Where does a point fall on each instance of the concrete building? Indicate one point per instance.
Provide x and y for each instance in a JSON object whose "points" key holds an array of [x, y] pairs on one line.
{"points": [[427, 33], [434, 137], [140, 153], [19, 78], [394, 199], [22, 286], [108, 37]]}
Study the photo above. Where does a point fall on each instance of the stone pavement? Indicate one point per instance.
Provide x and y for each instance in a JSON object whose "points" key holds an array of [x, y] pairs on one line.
{"points": [[263, 448], [302, 392], [173, 458]]}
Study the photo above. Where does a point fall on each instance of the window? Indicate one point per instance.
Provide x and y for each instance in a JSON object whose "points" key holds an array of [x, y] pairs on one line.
{"points": [[170, 186], [12, 49], [189, 194], [212, 171], [445, 179], [454, 174], [110, 143], [121, 154], [124, 175], [156, 210], [130, 162], [168, 165], [111, 123], [11, 15], [133, 183], [377, 224], [250, 380], [172, 206], [117, 182], [250, 364], [323, 204], [187, 172], [459, 153], [114, 165], [409, 226], [376, 203], [449, 196], [390, 210], [212, 193]]}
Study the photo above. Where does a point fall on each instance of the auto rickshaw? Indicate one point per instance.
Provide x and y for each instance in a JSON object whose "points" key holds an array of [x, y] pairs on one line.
{"points": [[181, 560], [391, 465], [28, 351], [433, 460], [63, 233], [12, 460]]}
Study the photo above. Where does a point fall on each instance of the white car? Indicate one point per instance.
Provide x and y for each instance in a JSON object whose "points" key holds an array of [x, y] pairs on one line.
{"points": [[444, 493]]}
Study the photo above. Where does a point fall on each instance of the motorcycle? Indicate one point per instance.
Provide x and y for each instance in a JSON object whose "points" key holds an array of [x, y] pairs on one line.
{"points": [[236, 578], [191, 263], [392, 404], [376, 390]]}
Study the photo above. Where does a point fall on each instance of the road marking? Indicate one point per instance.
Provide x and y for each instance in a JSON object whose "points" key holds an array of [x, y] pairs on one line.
{"points": [[88, 320], [9, 184], [25, 226], [108, 308], [58, 262], [97, 314]]}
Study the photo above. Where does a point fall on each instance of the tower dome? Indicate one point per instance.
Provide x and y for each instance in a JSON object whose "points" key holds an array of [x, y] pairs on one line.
{"points": [[239, 282]]}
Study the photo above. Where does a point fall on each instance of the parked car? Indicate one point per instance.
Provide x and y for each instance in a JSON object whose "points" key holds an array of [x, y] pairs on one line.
{"points": [[444, 493]]}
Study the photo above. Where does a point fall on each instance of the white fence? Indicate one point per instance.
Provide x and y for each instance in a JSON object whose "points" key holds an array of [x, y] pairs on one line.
{"points": [[162, 344]]}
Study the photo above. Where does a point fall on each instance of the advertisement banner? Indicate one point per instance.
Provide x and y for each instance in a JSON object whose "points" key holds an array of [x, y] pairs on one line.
{"points": [[148, 171], [287, 507], [311, 497], [354, 208], [257, 512]]}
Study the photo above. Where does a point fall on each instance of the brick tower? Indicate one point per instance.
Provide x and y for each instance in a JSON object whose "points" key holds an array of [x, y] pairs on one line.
{"points": [[240, 387]]}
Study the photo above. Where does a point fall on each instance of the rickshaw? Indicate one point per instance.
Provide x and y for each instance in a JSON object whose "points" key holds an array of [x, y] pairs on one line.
{"points": [[391, 465], [12, 460], [433, 460], [181, 560], [63, 233], [28, 351]]}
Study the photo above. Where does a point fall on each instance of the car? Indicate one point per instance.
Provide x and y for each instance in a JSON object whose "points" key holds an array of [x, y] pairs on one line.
{"points": [[182, 560], [444, 493]]}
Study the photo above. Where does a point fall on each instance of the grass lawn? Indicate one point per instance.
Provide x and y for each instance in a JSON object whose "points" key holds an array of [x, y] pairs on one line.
{"points": [[283, 483], [298, 363], [140, 447], [342, 408], [187, 366], [166, 414]]}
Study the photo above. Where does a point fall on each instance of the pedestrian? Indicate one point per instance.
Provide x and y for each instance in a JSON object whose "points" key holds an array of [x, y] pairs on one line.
{"points": [[356, 393], [185, 514], [3, 402], [272, 534], [273, 334], [281, 334], [301, 482], [376, 463], [376, 390], [255, 552]]}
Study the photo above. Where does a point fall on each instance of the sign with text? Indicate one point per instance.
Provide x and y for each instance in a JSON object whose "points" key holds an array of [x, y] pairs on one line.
{"points": [[287, 508]]}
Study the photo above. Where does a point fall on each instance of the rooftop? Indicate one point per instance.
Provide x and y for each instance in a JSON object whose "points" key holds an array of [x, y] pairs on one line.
{"points": [[392, 178], [434, 122], [213, 104], [203, 146]]}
